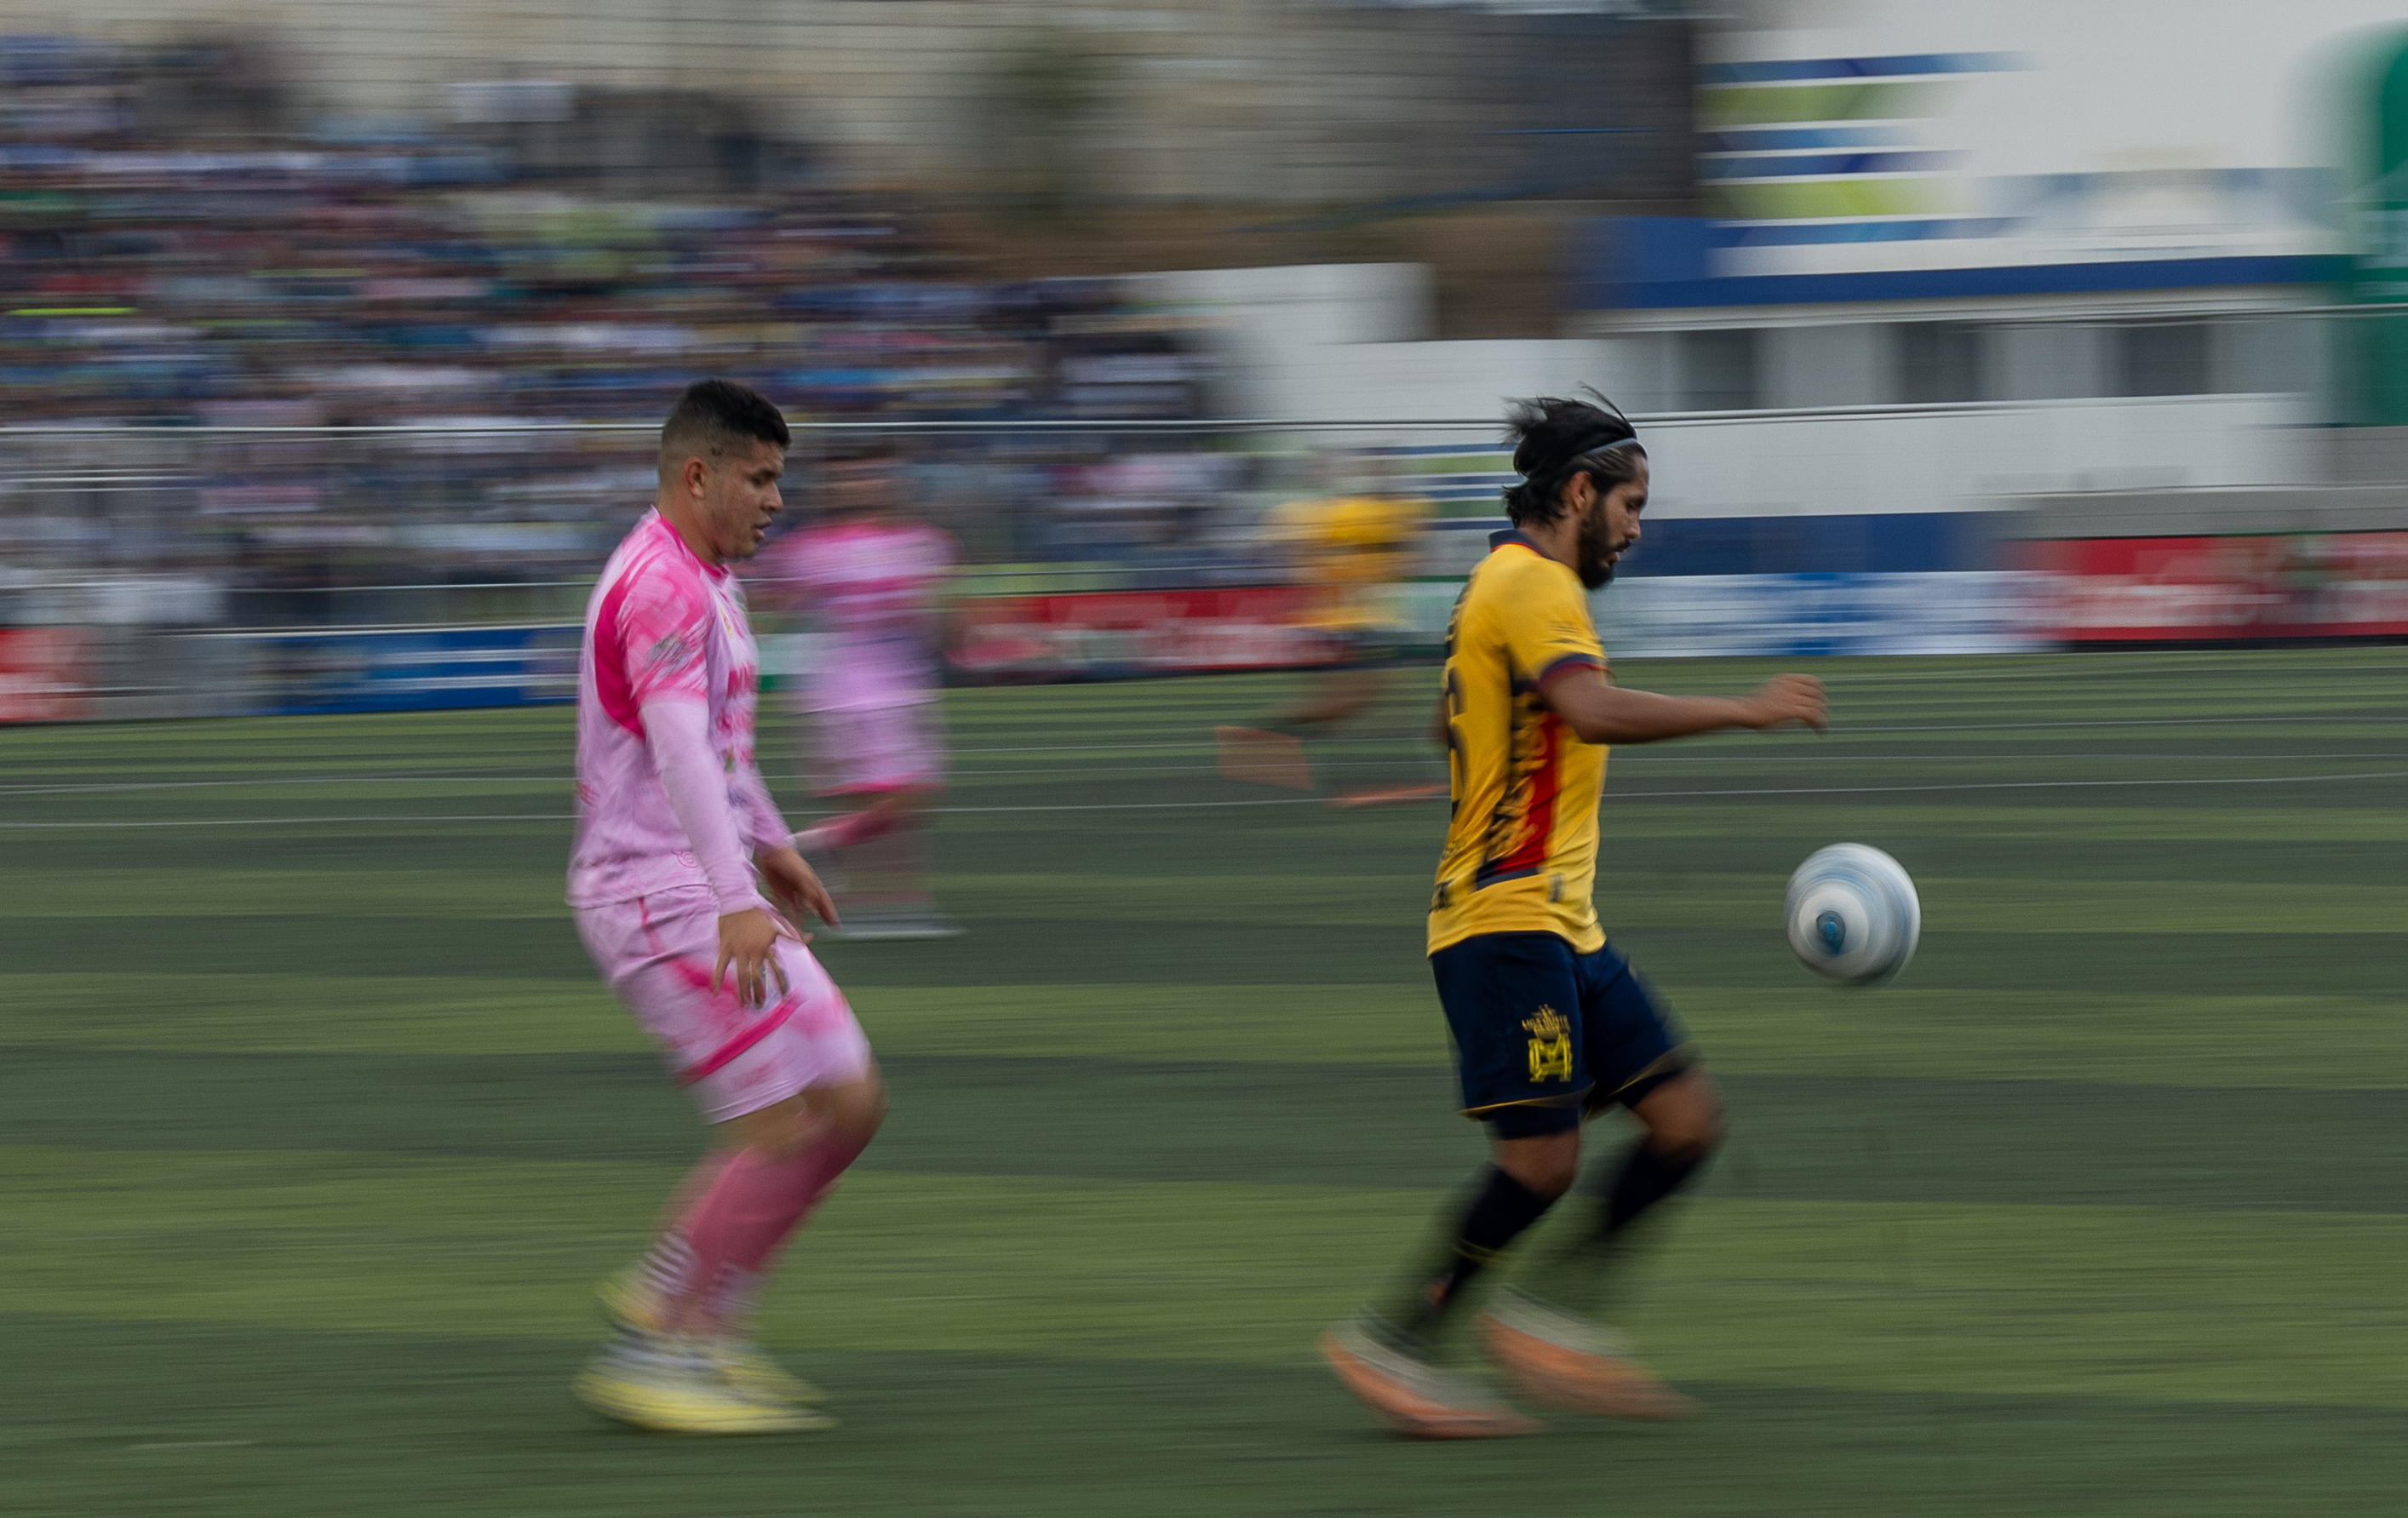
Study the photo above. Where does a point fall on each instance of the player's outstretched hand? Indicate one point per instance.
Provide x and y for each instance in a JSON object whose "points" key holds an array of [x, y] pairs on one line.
{"points": [[746, 939], [794, 886], [1790, 699]]}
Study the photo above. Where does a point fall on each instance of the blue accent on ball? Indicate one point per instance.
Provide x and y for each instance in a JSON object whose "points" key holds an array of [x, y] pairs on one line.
{"points": [[1833, 933]]}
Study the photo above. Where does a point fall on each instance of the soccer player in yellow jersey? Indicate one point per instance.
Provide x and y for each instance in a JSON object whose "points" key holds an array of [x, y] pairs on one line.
{"points": [[1551, 1024], [1351, 550]]}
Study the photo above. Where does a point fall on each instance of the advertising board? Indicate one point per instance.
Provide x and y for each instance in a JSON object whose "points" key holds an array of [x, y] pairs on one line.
{"points": [[44, 674], [2244, 589]]}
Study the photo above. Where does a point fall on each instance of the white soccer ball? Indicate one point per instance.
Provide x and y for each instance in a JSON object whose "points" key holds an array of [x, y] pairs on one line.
{"points": [[1853, 914]]}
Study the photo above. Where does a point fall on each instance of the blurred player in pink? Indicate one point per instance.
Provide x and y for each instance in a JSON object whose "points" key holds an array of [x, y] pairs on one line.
{"points": [[687, 886], [872, 581]]}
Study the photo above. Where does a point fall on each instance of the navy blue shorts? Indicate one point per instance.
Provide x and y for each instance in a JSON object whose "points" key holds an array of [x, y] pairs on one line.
{"points": [[1544, 1033]]}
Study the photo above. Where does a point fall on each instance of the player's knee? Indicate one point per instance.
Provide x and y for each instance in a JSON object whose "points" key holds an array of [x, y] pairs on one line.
{"points": [[1697, 1145], [776, 1132], [1548, 1166], [870, 1114], [1686, 1118], [1553, 1179], [854, 1112]]}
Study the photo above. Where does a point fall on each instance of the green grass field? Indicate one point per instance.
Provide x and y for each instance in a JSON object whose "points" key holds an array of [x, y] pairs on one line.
{"points": [[316, 1128]]}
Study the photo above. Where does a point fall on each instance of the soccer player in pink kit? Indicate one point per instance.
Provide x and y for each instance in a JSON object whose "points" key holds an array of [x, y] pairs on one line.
{"points": [[873, 581], [701, 944]]}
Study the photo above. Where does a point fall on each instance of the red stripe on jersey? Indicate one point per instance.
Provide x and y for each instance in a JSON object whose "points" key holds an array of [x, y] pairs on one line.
{"points": [[725, 1054], [611, 686], [1538, 815]]}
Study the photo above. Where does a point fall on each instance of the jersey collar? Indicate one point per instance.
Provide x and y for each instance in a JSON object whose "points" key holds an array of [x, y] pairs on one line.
{"points": [[661, 525], [1509, 536]]}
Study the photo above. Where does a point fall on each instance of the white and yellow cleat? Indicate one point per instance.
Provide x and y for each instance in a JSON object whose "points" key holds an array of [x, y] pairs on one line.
{"points": [[630, 1302], [748, 1367], [633, 1307], [670, 1386]]}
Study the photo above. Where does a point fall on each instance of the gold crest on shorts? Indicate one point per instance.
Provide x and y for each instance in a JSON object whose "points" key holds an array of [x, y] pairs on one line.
{"points": [[1551, 1045]]}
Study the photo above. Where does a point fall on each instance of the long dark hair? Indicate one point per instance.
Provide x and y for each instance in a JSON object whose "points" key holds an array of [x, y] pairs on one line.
{"points": [[1558, 439]]}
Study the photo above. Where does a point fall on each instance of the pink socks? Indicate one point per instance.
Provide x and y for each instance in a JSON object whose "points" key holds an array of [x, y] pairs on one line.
{"points": [[722, 1247]]}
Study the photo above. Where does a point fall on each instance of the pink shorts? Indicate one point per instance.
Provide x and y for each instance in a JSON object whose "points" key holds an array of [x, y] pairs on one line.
{"points": [[872, 749], [656, 952]]}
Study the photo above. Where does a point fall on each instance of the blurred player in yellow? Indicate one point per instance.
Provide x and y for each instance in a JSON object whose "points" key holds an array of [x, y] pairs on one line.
{"points": [[1351, 549]]}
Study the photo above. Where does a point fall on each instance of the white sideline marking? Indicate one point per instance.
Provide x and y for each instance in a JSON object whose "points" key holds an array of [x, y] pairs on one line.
{"points": [[1288, 801], [1621, 761], [279, 780], [1837, 731], [2019, 785], [1802, 790], [2116, 722], [280, 821]]}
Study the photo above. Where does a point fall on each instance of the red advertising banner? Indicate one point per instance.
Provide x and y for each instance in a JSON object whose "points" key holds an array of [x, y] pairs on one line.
{"points": [[42, 675], [1139, 632], [2137, 590]]}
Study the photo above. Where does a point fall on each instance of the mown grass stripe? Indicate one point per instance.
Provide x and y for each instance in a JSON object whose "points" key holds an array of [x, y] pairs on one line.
{"points": [[2127, 997], [2153, 1304]]}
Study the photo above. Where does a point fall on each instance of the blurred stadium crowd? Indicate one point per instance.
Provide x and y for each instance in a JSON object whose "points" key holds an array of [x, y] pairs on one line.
{"points": [[171, 264], [160, 271]]}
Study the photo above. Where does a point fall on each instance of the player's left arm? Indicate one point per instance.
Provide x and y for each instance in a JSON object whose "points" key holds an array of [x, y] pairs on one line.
{"points": [[1551, 637], [1600, 712]]}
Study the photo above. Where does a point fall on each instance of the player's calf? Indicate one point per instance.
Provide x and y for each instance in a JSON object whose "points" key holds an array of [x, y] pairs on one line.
{"points": [[1686, 1125], [783, 1160]]}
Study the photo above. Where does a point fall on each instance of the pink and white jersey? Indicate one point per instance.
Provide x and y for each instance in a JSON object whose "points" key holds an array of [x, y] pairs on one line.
{"points": [[665, 634], [874, 589]]}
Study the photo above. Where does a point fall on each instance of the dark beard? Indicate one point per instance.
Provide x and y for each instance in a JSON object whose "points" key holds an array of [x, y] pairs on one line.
{"points": [[1595, 568]]}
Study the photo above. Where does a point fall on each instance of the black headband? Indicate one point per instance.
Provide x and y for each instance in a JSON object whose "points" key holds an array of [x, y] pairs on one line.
{"points": [[1605, 434], [1595, 447], [1597, 453], [1601, 452]]}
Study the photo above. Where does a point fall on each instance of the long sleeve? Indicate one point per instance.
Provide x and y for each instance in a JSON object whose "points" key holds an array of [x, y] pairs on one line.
{"points": [[678, 734], [764, 825]]}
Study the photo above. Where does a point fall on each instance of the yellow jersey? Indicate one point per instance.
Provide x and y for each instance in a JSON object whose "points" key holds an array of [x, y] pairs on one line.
{"points": [[1521, 851], [1352, 548]]}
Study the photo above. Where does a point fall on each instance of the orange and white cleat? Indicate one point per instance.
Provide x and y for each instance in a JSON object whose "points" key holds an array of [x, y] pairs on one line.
{"points": [[1258, 756], [1565, 1361], [1415, 1397], [1389, 795]]}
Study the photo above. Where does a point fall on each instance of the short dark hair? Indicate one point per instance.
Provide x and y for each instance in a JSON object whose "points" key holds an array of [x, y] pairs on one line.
{"points": [[712, 416], [1555, 441]]}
